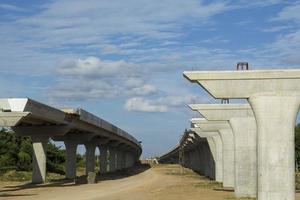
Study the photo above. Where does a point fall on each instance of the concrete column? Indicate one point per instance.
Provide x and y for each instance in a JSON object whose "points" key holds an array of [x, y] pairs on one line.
{"points": [[228, 157], [211, 150], [119, 160], [219, 158], [90, 157], [128, 160], [39, 159], [103, 159], [192, 156], [112, 159], [198, 159], [123, 159], [70, 165], [201, 159], [275, 114], [206, 160], [245, 137], [187, 159]]}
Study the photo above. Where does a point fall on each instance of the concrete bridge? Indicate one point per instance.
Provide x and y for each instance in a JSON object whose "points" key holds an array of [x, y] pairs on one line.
{"points": [[118, 149], [253, 146], [171, 157]]}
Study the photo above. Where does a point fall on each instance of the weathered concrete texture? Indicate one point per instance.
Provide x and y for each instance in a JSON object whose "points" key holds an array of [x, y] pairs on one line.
{"points": [[39, 160], [70, 165], [119, 159], [274, 97], [103, 159], [112, 159], [129, 162], [215, 146], [211, 149], [276, 116], [245, 137], [90, 157], [226, 134], [240, 117], [219, 158]]}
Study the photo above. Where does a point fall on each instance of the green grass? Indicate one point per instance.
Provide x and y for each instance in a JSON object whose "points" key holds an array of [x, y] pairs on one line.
{"points": [[14, 175], [233, 198], [22, 176]]}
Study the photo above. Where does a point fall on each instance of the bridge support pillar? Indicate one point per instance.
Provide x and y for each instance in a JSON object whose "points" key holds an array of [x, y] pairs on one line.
{"points": [[103, 159], [128, 160], [70, 165], [275, 114], [39, 159], [112, 159], [90, 157]]}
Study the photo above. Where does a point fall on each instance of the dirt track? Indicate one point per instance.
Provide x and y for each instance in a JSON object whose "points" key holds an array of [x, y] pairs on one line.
{"points": [[162, 182]]}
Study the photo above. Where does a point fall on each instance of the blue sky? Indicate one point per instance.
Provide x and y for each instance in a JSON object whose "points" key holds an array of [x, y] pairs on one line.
{"points": [[123, 60]]}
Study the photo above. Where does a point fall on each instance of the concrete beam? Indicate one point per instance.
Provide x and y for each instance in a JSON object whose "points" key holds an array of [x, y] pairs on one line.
{"points": [[274, 96]]}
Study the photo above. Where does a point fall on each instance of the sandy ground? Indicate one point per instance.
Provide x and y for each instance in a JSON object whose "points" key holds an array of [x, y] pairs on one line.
{"points": [[163, 182]]}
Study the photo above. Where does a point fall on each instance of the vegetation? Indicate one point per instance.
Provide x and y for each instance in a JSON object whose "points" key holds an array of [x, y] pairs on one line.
{"points": [[16, 157]]}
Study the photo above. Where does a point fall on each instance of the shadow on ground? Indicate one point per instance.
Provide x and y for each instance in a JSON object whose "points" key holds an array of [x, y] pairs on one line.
{"points": [[6, 192]]}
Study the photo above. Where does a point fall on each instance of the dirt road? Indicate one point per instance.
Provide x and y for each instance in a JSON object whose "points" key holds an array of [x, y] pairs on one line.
{"points": [[163, 182]]}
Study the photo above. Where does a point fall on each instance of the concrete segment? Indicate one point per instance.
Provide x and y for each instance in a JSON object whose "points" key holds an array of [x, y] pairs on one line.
{"points": [[240, 117], [112, 159], [216, 148], [90, 157], [70, 165], [39, 160], [226, 134], [274, 97], [30, 118], [103, 159]]}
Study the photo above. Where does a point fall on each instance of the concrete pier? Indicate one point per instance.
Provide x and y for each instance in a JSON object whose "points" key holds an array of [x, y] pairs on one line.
{"points": [[215, 144], [90, 157], [274, 96], [112, 159], [226, 134], [70, 165], [39, 160], [103, 159], [241, 119]]}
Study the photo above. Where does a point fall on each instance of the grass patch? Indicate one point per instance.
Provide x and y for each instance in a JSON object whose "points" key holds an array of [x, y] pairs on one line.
{"points": [[297, 181], [208, 184], [14, 175], [23, 176], [244, 198]]}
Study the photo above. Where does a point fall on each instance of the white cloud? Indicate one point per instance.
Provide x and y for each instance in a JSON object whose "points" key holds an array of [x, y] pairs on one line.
{"points": [[95, 78], [176, 101], [143, 90], [162, 104], [82, 22], [109, 49], [142, 105], [82, 89], [94, 67], [290, 13]]}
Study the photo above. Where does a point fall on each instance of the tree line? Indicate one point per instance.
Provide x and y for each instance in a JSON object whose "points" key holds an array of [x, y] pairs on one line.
{"points": [[16, 154]]}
